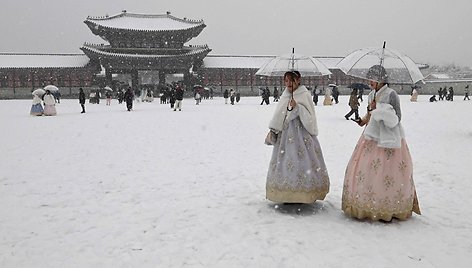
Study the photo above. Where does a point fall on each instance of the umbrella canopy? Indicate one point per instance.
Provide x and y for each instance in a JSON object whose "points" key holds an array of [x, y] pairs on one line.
{"points": [[400, 68], [332, 85], [108, 88], [39, 92], [51, 88], [306, 65]]}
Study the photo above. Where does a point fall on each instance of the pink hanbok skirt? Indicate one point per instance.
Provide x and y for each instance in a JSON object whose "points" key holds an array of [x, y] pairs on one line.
{"points": [[49, 110], [378, 183]]}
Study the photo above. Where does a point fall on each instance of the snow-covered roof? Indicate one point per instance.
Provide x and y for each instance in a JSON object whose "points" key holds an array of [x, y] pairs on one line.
{"points": [[235, 62], [143, 22], [438, 76], [253, 62], [93, 49], [22, 60]]}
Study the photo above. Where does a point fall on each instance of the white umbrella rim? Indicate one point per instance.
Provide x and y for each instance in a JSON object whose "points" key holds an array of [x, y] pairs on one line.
{"points": [[414, 77], [321, 69], [38, 89], [51, 88]]}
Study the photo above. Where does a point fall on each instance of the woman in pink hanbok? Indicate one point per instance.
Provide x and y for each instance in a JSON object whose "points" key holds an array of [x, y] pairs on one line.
{"points": [[378, 183], [49, 104]]}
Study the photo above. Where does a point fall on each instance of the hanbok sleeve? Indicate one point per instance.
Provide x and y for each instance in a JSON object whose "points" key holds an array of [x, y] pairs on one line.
{"points": [[394, 100]]}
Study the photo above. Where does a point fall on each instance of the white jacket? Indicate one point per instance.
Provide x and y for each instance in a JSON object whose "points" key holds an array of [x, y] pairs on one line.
{"points": [[49, 99], [305, 106], [384, 125]]}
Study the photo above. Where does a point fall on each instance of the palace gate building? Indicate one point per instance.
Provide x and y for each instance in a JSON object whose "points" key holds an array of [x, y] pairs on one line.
{"points": [[139, 43]]}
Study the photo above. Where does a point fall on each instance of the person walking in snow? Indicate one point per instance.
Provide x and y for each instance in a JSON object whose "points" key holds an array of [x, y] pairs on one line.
{"points": [[378, 181], [49, 104], [450, 96], [129, 96], [466, 93], [327, 97], [315, 95], [231, 96], [354, 104], [82, 100], [179, 96], [265, 96], [36, 107], [226, 95], [276, 95], [108, 96], [238, 95], [335, 94], [414, 95], [297, 171]]}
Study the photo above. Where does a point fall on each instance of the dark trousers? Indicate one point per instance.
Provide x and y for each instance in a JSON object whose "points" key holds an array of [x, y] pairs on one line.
{"points": [[83, 107], [353, 111]]}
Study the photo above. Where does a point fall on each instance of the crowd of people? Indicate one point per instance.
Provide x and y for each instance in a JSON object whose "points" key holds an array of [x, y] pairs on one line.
{"points": [[378, 181]]}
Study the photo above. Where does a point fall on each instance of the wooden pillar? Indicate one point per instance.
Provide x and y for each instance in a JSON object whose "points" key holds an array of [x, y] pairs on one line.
{"points": [[162, 78], [252, 82], [134, 79], [108, 77], [236, 78], [221, 80]]}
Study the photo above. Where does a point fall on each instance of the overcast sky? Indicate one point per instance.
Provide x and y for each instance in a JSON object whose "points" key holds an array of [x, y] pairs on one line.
{"points": [[429, 31]]}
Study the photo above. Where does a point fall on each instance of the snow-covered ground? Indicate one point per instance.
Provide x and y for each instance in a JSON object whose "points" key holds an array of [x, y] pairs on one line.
{"points": [[158, 188]]}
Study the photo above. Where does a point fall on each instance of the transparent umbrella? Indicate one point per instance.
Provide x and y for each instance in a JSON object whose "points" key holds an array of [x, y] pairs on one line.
{"points": [[51, 88], [39, 92], [306, 65], [400, 68]]}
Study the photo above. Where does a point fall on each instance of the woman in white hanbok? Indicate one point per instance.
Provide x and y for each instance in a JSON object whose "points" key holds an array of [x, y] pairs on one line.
{"points": [[297, 171]]}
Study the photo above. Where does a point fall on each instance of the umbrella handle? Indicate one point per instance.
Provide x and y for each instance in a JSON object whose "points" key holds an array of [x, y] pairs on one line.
{"points": [[288, 105]]}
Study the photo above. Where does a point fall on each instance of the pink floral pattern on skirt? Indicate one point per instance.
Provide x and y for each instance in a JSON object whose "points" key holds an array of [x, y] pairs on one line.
{"points": [[378, 183]]}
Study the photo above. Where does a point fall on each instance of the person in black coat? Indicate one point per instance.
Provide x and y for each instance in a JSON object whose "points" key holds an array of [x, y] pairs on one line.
{"points": [[179, 96], [433, 98], [226, 95], [276, 94], [172, 98], [129, 99], [451, 94], [265, 96], [82, 100], [315, 95], [335, 94]]}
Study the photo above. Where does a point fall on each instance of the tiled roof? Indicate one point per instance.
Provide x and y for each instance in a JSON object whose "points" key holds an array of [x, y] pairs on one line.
{"points": [[94, 50], [254, 62], [23, 60], [142, 22]]}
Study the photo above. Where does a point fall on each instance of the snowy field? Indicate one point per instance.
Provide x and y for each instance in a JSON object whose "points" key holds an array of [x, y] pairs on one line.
{"points": [[158, 188]]}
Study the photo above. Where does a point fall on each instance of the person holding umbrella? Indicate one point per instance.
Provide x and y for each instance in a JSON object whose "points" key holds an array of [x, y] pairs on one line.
{"points": [[49, 104], [297, 171], [378, 182], [36, 107]]}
